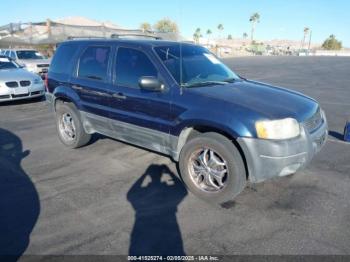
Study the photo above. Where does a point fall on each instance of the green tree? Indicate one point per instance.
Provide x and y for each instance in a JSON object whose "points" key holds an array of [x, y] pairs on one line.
{"points": [[254, 19], [145, 27], [229, 37], [166, 25], [245, 35], [331, 43]]}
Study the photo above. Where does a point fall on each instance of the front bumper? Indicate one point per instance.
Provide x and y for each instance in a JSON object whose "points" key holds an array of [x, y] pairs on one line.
{"points": [[270, 158], [8, 94]]}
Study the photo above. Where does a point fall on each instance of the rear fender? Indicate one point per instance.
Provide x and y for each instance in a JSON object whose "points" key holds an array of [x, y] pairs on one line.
{"points": [[66, 94]]}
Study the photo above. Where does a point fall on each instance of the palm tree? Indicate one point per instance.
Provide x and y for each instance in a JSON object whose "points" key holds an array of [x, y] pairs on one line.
{"points": [[145, 27], [245, 35], [306, 32], [208, 34], [254, 19], [197, 34], [220, 28]]}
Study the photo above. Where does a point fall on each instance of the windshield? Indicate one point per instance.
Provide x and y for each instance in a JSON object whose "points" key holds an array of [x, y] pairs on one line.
{"points": [[5, 63], [29, 54], [199, 66]]}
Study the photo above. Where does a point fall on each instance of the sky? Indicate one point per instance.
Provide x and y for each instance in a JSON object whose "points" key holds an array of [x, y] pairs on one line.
{"points": [[280, 19]]}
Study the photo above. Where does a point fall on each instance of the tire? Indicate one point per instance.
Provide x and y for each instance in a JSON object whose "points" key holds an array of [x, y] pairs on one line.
{"points": [[229, 158], [80, 137]]}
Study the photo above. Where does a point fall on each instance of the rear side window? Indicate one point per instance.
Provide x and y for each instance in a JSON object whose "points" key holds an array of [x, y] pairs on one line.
{"points": [[132, 64], [93, 63], [63, 58]]}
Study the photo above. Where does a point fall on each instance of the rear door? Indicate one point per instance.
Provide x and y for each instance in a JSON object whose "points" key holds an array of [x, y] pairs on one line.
{"points": [[92, 83]]}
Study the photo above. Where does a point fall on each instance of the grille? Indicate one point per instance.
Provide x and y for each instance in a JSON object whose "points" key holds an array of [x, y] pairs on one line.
{"points": [[313, 122], [35, 93], [43, 65], [4, 96], [11, 84], [22, 95], [25, 83]]}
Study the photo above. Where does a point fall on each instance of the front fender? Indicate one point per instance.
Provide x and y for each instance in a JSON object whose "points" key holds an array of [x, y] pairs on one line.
{"points": [[224, 122]]}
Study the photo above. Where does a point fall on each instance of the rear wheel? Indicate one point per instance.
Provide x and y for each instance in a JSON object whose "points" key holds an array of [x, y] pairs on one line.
{"points": [[212, 168], [69, 127]]}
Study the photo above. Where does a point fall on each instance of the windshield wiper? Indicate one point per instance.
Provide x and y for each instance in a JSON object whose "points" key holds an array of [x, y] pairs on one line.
{"points": [[205, 83]]}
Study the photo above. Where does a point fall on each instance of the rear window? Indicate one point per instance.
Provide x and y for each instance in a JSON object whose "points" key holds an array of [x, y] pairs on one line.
{"points": [[29, 54], [93, 63], [63, 58]]}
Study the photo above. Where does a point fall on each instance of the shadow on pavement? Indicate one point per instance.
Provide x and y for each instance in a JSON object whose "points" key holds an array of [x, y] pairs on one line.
{"points": [[155, 197], [336, 135], [19, 201]]}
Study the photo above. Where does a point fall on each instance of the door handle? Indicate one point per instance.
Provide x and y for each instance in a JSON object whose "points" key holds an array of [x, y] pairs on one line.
{"points": [[119, 95], [77, 87]]}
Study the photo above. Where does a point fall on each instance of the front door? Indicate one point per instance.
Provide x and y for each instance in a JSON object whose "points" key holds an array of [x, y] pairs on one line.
{"points": [[139, 116]]}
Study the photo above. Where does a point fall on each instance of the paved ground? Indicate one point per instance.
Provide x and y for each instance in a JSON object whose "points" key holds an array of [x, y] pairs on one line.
{"points": [[59, 201]]}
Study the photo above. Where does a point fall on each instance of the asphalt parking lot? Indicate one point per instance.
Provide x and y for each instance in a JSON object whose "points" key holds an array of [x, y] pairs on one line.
{"points": [[54, 200]]}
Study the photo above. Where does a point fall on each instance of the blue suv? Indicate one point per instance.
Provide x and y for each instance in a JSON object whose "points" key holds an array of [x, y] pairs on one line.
{"points": [[179, 99]]}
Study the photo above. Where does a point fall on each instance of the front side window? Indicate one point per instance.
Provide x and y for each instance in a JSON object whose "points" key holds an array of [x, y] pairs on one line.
{"points": [[29, 54], [192, 65], [93, 63], [131, 65]]}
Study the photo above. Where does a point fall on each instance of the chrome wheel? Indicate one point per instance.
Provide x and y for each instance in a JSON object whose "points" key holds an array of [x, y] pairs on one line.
{"points": [[67, 127], [208, 170]]}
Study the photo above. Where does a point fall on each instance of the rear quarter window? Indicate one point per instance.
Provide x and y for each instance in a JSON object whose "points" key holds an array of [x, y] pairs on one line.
{"points": [[62, 62]]}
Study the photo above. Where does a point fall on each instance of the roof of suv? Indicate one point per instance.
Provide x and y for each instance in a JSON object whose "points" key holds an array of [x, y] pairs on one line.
{"points": [[130, 41], [20, 49]]}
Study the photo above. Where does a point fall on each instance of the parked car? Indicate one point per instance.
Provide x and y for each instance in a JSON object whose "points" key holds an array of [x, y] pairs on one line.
{"points": [[180, 100], [17, 83], [32, 60]]}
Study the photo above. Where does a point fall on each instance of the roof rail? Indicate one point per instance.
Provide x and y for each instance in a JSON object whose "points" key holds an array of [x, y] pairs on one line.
{"points": [[121, 36], [85, 37]]}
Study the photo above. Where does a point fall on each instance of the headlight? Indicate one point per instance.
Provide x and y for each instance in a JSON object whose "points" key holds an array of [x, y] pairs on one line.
{"points": [[278, 129], [31, 67]]}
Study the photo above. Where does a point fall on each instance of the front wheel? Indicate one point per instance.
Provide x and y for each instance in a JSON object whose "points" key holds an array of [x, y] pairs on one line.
{"points": [[212, 168], [69, 127]]}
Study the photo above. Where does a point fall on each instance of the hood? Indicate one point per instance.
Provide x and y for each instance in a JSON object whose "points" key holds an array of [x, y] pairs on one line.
{"points": [[34, 61], [16, 74], [266, 101]]}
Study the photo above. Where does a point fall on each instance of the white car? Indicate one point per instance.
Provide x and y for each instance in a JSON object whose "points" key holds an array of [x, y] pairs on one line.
{"points": [[17, 83], [31, 59]]}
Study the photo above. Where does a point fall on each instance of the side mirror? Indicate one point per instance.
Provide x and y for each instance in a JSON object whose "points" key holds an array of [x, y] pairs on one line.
{"points": [[151, 83]]}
